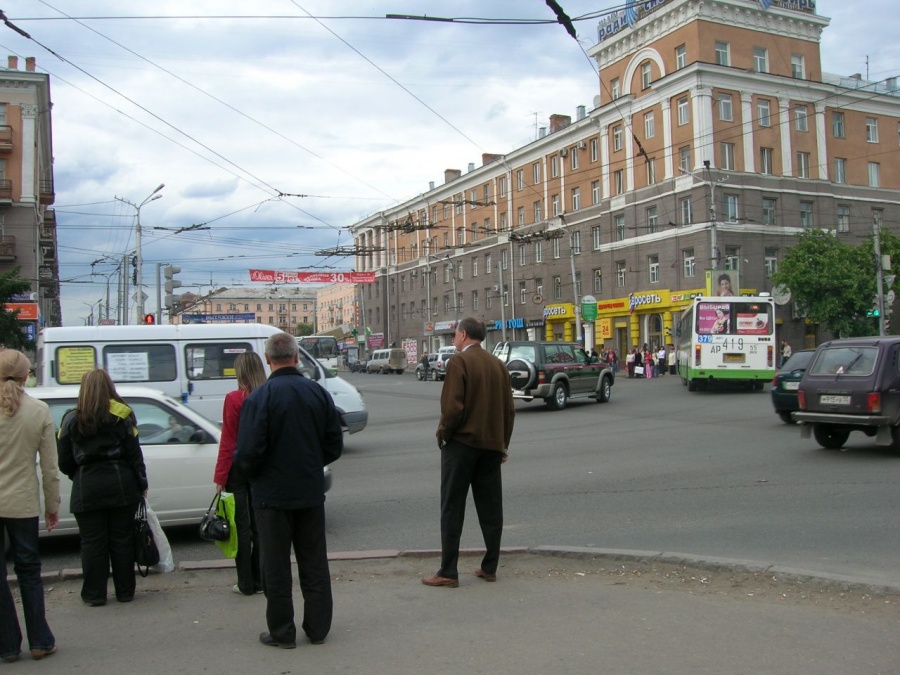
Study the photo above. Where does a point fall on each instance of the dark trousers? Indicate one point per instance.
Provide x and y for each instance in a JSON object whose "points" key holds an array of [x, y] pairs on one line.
{"points": [[107, 536], [23, 540], [462, 466], [247, 559], [304, 530]]}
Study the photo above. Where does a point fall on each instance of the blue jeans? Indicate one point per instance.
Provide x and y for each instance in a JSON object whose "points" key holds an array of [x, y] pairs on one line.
{"points": [[23, 539]]}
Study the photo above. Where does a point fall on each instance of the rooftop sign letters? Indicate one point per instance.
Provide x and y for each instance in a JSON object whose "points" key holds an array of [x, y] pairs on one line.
{"points": [[279, 277], [626, 18]]}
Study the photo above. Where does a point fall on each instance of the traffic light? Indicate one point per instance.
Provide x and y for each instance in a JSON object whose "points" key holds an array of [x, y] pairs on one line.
{"points": [[134, 270], [873, 312], [149, 319], [169, 271]]}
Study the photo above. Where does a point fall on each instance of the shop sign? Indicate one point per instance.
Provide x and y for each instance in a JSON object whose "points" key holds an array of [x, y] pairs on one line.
{"points": [[589, 308], [243, 317], [626, 18], [563, 311], [28, 311], [615, 304], [428, 328], [510, 323], [375, 341], [534, 323], [606, 329], [635, 300], [445, 327]]}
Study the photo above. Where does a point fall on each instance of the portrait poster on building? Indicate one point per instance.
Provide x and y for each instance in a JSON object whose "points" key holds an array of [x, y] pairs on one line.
{"points": [[723, 283]]}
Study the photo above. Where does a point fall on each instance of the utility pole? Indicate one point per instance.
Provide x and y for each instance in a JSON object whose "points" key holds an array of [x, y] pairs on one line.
{"points": [[577, 305], [502, 297], [879, 274], [139, 293], [713, 221]]}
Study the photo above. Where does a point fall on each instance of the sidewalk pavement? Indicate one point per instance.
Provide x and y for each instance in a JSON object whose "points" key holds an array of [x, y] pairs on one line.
{"points": [[552, 610]]}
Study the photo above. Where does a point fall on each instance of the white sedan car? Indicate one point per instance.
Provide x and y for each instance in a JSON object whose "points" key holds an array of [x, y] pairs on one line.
{"points": [[180, 448]]}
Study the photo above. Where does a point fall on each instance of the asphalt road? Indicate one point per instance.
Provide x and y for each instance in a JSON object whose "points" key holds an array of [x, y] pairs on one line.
{"points": [[658, 469]]}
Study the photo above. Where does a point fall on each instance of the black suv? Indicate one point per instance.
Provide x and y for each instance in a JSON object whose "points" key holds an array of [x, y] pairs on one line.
{"points": [[555, 372], [851, 385]]}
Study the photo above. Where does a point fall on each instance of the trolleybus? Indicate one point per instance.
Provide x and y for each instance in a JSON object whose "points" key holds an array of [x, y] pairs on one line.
{"points": [[324, 348]]}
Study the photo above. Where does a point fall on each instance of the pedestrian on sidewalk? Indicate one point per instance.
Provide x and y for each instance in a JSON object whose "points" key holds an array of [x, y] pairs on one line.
{"points": [[477, 416], [289, 431], [26, 436], [250, 374], [100, 452]]}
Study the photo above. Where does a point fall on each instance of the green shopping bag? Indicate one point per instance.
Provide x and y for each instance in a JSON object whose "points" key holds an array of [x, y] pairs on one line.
{"points": [[226, 510]]}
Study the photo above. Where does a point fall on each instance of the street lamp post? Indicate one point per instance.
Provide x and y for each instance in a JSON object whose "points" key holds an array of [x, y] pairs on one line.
{"points": [[139, 291]]}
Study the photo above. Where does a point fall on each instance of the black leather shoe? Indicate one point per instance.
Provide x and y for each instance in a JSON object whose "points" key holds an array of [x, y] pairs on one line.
{"points": [[269, 641]]}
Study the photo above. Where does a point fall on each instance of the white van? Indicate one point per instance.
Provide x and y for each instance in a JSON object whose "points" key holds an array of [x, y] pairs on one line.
{"points": [[387, 361], [191, 362]]}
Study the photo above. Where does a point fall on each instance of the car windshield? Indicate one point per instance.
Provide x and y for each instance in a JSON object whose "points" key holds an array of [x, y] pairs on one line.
{"points": [[845, 361]]}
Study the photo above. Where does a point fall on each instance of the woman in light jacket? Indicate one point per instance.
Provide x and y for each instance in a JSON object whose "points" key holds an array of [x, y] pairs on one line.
{"points": [[249, 372], [26, 433], [100, 452]]}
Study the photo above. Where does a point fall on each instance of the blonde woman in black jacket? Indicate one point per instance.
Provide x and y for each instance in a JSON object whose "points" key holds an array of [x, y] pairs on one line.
{"points": [[99, 450]]}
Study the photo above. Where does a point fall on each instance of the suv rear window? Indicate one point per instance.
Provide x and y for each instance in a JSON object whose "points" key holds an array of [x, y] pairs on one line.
{"points": [[845, 361], [522, 352]]}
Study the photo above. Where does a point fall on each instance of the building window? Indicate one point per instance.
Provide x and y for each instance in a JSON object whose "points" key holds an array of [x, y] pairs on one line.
{"points": [[840, 170], [575, 242], [723, 54], [871, 130], [554, 166], [537, 211], [619, 177], [843, 218], [806, 214], [684, 158], [645, 75], [501, 186], [727, 159], [617, 138], [684, 115], [771, 261], [798, 67], [765, 160], [731, 208], [595, 192], [615, 89], [688, 265], [487, 263], [874, 174], [536, 172], [687, 211], [726, 110], [651, 171], [554, 205], [620, 273], [504, 258], [763, 112], [459, 203], [652, 220], [598, 281], [576, 199], [801, 118], [761, 60], [523, 293], [680, 57], [554, 246], [653, 267], [557, 288], [649, 125], [488, 298], [474, 301], [539, 287], [732, 258], [538, 251], [487, 192], [474, 266], [520, 215], [520, 179], [573, 155], [522, 256], [473, 198], [595, 237], [803, 164], [768, 211], [837, 124], [595, 149], [620, 227]]}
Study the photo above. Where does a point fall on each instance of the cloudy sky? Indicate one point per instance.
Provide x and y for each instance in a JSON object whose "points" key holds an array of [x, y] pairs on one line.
{"points": [[231, 104]]}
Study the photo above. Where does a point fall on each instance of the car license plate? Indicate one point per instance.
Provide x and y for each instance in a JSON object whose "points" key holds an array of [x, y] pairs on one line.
{"points": [[834, 400], [792, 386]]}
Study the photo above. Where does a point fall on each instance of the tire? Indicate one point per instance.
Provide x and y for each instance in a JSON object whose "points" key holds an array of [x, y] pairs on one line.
{"points": [[420, 376], [605, 391], [522, 374], [785, 416], [757, 386], [558, 397], [385, 371], [692, 385], [830, 437]]}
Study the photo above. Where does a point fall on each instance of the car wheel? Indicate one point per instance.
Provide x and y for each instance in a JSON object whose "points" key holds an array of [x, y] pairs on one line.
{"points": [[785, 416], [605, 390], [420, 375], [757, 386], [558, 397], [692, 385], [830, 437]]}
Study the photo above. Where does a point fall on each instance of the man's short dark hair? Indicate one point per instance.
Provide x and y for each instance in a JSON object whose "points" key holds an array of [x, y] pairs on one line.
{"points": [[473, 327], [281, 348]]}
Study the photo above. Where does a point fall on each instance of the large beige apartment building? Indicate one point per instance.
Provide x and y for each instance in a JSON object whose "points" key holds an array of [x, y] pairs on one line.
{"points": [[714, 140], [27, 223], [336, 308], [285, 307]]}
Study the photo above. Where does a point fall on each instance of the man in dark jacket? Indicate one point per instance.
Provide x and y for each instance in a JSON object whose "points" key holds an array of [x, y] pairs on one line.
{"points": [[289, 430]]}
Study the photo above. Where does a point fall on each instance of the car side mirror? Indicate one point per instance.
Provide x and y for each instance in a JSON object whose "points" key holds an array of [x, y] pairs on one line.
{"points": [[199, 436]]}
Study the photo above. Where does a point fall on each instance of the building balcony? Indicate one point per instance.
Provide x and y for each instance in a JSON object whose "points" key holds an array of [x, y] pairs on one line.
{"points": [[7, 248], [6, 138], [47, 196]]}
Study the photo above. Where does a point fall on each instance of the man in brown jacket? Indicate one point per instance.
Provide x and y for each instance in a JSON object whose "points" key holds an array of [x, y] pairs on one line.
{"points": [[477, 414]]}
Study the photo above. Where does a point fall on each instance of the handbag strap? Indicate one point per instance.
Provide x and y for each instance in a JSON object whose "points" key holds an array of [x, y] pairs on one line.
{"points": [[214, 504]]}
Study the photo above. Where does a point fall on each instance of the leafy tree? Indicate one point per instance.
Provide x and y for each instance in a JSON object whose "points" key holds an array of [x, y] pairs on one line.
{"points": [[305, 329], [11, 334], [834, 283]]}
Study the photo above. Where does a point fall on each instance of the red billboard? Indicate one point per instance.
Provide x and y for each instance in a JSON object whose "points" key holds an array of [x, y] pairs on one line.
{"points": [[279, 277]]}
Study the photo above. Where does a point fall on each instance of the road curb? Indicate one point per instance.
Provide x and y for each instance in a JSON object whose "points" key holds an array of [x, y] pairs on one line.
{"points": [[707, 563]]}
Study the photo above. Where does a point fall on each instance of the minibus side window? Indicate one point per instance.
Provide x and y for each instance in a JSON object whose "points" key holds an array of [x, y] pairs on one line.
{"points": [[213, 361], [140, 363]]}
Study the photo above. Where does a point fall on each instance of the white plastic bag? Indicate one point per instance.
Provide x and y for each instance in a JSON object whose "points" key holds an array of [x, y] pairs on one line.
{"points": [[166, 563]]}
